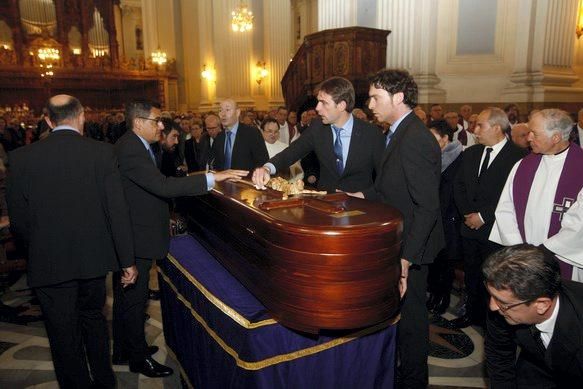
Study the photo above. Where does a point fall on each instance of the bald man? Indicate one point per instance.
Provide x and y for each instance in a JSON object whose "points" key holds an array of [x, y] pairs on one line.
{"points": [[519, 135], [65, 199], [239, 146]]}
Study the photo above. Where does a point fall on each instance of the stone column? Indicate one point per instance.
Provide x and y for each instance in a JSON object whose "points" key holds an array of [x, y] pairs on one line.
{"points": [[543, 64], [336, 14], [233, 55], [412, 41], [278, 47]]}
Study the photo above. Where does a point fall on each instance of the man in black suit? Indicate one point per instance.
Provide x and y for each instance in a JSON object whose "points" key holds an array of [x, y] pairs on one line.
{"points": [[239, 146], [348, 149], [478, 185], [205, 156], [538, 312], [408, 179], [577, 131], [66, 201], [146, 191]]}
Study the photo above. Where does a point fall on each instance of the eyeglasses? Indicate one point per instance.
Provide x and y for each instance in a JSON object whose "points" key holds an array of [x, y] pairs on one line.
{"points": [[157, 120], [505, 307]]}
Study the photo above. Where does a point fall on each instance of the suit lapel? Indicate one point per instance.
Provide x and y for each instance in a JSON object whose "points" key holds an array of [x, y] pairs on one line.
{"points": [[328, 148], [355, 146], [397, 136]]}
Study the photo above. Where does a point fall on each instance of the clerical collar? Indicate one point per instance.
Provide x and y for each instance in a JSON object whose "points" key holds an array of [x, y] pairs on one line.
{"points": [[565, 149]]}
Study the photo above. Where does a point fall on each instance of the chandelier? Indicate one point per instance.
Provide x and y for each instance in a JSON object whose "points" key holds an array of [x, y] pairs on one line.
{"points": [[159, 57], [242, 19], [48, 54]]}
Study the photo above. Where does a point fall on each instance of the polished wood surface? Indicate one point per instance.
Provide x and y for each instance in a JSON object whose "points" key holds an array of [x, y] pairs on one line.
{"points": [[316, 262]]}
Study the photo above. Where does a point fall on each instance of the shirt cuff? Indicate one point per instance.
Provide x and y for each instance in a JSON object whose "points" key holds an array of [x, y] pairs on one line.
{"points": [[481, 218], [210, 181], [271, 168]]}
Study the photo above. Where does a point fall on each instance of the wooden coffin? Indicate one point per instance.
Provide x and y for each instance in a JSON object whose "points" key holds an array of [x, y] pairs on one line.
{"points": [[316, 262]]}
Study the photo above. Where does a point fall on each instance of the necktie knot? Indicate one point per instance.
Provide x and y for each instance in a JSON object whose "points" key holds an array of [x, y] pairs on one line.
{"points": [[152, 155]]}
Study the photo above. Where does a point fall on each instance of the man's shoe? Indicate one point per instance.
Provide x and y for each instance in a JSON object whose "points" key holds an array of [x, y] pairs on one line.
{"points": [[461, 322], [150, 368], [122, 359], [441, 305]]}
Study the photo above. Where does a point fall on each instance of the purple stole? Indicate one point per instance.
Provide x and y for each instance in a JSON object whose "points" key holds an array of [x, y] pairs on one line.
{"points": [[570, 184]]}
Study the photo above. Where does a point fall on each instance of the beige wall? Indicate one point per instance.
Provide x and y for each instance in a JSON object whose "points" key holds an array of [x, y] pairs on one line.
{"points": [[535, 58]]}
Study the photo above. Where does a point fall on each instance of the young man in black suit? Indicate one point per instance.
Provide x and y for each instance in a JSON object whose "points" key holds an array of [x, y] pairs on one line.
{"points": [[347, 161], [66, 201], [146, 191], [477, 188], [408, 179], [538, 312], [239, 146]]}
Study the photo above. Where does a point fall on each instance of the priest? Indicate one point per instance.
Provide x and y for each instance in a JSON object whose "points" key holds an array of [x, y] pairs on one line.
{"points": [[542, 201]]}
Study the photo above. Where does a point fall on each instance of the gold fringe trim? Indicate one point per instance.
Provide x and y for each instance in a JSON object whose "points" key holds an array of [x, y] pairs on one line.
{"points": [[227, 310], [277, 359]]}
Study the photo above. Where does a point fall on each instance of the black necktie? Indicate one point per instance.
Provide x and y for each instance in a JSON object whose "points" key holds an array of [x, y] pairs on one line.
{"points": [[486, 162], [338, 151], [535, 333], [463, 137]]}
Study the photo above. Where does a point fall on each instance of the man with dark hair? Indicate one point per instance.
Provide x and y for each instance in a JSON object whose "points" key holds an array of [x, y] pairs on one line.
{"points": [[408, 180], [146, 190], [65, 199], [348, 149], [435, 112], [512, 113], [239, 146], [478, 185], [538, 312]]}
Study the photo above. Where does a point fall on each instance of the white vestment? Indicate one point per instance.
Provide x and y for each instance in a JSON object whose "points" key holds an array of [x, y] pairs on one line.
{"points": [[296, 172], [471, 138], [567, 244]]}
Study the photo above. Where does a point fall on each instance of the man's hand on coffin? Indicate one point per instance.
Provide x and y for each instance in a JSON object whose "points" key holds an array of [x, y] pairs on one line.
{"points": [[129, 275], [359, 195], [260, 177], [230, 174], [404, 275]]}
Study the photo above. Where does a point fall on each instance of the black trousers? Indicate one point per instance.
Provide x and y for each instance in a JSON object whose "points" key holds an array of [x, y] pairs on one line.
{"points": [[475, 253], [413, 332], [77, 332], [129, 308]]}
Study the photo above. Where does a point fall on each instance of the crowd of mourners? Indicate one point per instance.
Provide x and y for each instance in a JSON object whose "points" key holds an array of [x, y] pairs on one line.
{"points": [[498, 169]]}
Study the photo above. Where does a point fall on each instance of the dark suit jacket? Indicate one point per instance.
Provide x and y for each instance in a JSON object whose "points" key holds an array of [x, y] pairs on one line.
{"points": [[192, 156], [561, 364], [146, 191], [408, 180], [574, 136], [473, 196], [364, 153], [205, 152], [249, 149], [66, 201]]}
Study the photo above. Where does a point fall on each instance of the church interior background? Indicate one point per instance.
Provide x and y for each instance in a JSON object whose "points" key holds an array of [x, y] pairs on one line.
{"points": [[186, 54]]}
